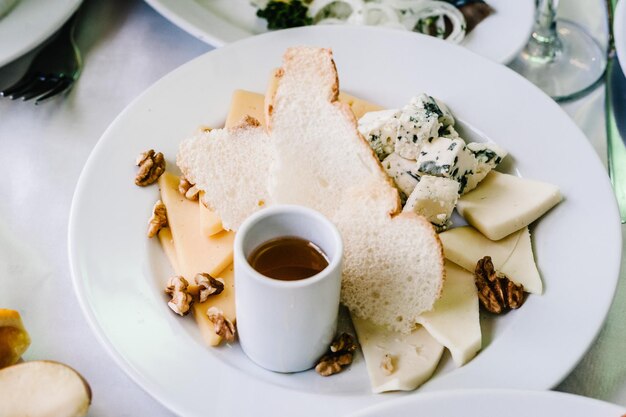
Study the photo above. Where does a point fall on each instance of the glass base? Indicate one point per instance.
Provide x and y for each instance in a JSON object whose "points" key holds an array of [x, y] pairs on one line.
{"points": [[573, 69]]}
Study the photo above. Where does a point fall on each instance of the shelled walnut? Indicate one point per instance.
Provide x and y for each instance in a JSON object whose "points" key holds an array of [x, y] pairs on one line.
{"points": [[151, 165], [178, 289], [207, 286], [339, 355], [189, 190], [497, 293], [387, 364], [223, 327], [158, 219]]}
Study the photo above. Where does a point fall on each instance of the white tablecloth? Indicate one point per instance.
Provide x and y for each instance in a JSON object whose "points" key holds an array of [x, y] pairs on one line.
{"points": [[127, 46]]}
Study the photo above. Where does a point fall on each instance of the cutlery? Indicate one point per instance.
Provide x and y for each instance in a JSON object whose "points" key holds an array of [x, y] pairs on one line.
{"points": [[53, 71], [615, 108]]}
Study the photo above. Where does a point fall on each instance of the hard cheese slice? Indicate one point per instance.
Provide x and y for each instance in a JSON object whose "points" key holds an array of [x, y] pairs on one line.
{"points": [[194, 252], [413, 356], [167, 243], [210, 222], [503, 204], [454, 321], [224, 301], [513, 255], [246, 103]]}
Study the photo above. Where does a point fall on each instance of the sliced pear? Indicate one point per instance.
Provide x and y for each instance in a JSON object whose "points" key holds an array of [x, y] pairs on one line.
{"points": [[14, 339], [43, 389]]}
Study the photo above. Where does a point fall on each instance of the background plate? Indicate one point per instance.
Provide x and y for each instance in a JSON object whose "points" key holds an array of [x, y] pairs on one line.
{"points": [[30, 23], [500, 37], [119, 274], [471, 403]]}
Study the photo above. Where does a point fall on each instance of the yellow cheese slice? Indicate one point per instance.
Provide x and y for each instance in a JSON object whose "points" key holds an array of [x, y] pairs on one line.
{"points": [[224, 301], [513, 255], [195, 251], [414, 356], [359, 107], [210, 222], [167, 243], [454, 321], [191, 251], [503, 204], [247, 103]]}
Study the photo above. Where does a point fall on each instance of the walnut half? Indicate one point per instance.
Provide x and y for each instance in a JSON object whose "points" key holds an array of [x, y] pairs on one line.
{"points": [[158, 220], [387, 364], [189, 190], [177, 288], [223, 327], [339, 355], [207, 286], [151, 165], [497, 293]]}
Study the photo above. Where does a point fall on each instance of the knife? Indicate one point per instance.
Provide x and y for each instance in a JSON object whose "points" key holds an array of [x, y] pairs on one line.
{"points": [[615, 109]]}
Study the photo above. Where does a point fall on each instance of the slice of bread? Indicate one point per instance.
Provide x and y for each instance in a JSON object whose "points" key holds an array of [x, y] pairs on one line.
{"points": [[393, 268], [230, 166], [313, 155], [318, 152]]}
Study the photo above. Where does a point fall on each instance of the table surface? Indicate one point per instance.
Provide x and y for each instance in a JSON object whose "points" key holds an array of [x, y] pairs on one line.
{"points": [[127, 46]]}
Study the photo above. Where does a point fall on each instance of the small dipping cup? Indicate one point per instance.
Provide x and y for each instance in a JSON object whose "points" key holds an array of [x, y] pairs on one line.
{"points": [[286, 326]]}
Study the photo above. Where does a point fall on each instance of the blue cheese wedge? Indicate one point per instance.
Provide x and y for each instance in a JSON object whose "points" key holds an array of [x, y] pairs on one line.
{"points": [[397, 361], [403, 172], [420, 122], [504, 204], [404, 131], [488, 156], [513, 255], [454, 321], [434, 198], [448, 158], [380, 129]]}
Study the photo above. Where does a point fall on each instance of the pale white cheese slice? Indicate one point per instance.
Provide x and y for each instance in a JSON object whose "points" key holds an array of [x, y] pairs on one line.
{"points": [[454, 321], [503, 204], [513, 255], [434, 198], [413, 357]]}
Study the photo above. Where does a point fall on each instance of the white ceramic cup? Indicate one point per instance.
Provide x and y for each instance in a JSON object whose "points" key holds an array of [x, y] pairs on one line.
{"points": [[286, 326]]}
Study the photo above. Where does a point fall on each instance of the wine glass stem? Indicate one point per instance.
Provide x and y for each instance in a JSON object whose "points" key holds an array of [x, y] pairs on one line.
{"points": [[544, 45]]}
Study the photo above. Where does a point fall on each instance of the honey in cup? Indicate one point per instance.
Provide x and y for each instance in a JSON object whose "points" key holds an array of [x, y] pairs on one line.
{"points": [[288, 258]]}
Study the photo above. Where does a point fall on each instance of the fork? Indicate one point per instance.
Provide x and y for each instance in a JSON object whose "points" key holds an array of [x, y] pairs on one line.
{"points": [[53, 71]]}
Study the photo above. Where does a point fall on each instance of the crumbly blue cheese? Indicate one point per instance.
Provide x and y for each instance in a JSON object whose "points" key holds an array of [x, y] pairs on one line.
{"points": [[402, 171], [380, 129], [405, 131], [434, 198], [448, 158], [488, 156]]}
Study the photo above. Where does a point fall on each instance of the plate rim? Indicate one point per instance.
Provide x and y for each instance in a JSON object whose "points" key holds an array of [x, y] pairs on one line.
{"points": [[488, 395], [79, 283]]}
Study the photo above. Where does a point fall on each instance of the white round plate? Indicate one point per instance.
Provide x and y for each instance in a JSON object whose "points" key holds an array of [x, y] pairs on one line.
{"points": [[30, 23], [119, 274], [500, 37], [480, 403], [619, 32]]}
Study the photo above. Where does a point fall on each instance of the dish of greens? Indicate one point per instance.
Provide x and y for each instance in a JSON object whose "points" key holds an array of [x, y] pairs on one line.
{"points": [[449, 19], [495, 29]]}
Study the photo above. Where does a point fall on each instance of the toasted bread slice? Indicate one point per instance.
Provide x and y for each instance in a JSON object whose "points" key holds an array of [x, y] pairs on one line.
{"points": [[313, 155], [230, 166]]}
